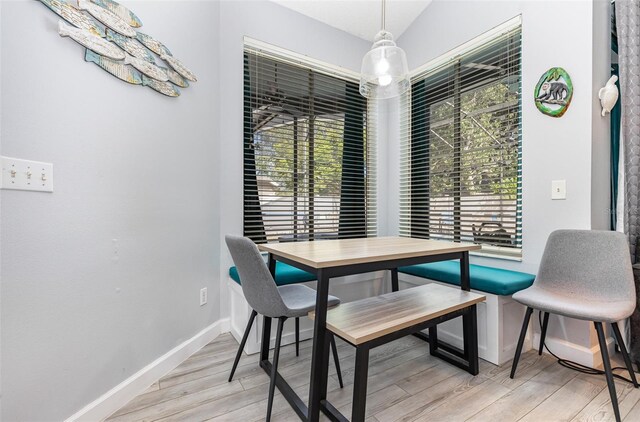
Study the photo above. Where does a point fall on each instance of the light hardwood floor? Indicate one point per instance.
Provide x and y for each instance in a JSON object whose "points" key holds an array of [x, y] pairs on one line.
{"points": [[405, 384]]}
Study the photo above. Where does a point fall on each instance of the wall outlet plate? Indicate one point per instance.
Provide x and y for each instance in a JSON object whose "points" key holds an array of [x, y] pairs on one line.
{"points": [[21, 174], [203, 296]]}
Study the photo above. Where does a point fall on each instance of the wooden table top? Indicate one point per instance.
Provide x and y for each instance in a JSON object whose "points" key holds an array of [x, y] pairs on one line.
{"points": [[334, 253], [368, 319]]}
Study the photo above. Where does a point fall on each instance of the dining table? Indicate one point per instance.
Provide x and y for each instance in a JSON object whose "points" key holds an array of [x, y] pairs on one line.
{"points": [[328, 259]]}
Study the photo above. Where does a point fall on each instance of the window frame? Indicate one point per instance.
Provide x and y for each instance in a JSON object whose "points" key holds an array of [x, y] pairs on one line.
{"points": [[343, 225], [417, 187]]}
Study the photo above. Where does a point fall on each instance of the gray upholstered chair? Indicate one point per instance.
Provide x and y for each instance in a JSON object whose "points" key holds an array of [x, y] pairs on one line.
{"points": [[584, 274], [269, 300]]}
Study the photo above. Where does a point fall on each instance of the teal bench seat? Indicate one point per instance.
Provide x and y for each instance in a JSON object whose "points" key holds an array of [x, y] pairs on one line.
{"points": [[485, 279], [285, 274]]}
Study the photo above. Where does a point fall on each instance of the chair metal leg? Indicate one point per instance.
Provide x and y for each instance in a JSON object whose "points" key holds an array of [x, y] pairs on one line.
{"points": [[297, 336], [274, 367], [523, 334], [625, 354], [607, 369], [336, 361], [245, 336], [543, 333]]}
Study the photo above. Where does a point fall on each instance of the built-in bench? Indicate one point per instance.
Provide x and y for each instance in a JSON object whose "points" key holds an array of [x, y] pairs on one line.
{"points": [[375, 321], [499, 318], [497, 281]]}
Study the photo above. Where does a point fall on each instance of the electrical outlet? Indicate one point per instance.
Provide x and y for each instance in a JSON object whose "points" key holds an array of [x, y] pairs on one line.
{"points": [[203, 296]]}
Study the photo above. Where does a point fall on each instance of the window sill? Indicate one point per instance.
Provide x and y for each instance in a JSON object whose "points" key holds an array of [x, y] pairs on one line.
{"points": [[494, 255]]}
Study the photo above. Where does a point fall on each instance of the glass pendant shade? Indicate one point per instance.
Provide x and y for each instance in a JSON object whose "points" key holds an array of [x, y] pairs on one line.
{"points": [[384, 72]]}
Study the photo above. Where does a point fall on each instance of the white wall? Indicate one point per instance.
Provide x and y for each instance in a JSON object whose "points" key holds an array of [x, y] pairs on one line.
{"points": [[283, 28], [553, 148], [601, 135], [0, 227], [81, 312]]}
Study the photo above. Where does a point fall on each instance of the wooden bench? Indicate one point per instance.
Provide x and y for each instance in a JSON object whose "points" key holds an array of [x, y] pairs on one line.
{"points": [[498, 330], [374, 321]]}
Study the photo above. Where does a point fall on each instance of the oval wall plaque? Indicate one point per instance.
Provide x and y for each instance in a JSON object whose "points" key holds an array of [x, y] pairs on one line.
{"points": [[553, 92]]}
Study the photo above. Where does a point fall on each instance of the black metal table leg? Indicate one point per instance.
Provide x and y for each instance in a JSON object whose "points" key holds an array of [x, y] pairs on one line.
{"points": [[320, 353], [465, 281], [394, 280], [359, 405], [271, 263], [266, 338], [469, 320], [266, 321]]}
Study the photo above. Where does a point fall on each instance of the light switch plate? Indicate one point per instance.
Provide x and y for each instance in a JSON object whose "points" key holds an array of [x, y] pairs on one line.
{"points": [[558, 189], [26, 175]]}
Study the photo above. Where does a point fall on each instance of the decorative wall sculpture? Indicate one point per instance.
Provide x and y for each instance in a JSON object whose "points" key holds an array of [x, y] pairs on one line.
{"points": [[608, 95], [553, 92], [109, 33]]}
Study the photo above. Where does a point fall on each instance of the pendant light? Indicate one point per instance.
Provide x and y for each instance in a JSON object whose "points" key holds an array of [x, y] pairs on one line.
{"points": [[384, 72]]}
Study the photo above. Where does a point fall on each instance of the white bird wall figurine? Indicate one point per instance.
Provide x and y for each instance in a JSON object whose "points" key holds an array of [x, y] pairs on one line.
{"points": [[608, 95]]}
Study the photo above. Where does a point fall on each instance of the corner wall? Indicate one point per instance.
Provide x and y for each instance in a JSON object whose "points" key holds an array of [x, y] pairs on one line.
{"points": [[102, 277], [571, 148], [284, 28]]}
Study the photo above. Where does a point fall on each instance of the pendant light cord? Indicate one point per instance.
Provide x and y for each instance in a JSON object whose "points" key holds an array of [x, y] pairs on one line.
{"points": [[384, 17]]}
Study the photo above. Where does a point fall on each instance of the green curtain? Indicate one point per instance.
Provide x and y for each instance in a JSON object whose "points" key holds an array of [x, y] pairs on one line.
{"points": [[615, 152], [353, 215], [615, 127], [252, 209]]}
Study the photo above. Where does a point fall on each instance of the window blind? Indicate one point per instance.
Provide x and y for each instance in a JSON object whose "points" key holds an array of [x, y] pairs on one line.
{"points": [[309, 164], [461, 177]]}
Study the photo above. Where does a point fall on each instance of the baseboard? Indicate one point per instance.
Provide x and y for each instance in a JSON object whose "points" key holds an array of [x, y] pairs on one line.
{"points": [[124, 392], [564, 349]]}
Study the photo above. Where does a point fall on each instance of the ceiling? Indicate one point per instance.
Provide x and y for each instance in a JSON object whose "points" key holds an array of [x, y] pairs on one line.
{"points": [[360, 17]]}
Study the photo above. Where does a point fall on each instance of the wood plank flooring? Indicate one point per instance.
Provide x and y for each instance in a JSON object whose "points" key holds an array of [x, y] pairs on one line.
{"points": [[405, 384]]}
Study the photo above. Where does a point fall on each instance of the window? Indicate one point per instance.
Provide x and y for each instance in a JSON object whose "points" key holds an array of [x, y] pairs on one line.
{"points": [[461, 164], [308, 163]]}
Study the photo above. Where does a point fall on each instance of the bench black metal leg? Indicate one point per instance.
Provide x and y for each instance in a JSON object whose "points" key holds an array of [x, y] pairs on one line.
{"points": [[543, 332], [297, 336], [607, 369], [523, 334], [625, 354], [274, 368], [359, 404], [242, 343], [336, 361], [433, 340], [395, 286], [471, 339]]}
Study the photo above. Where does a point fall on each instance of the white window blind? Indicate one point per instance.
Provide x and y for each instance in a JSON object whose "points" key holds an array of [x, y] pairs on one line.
{"points": [[309, 163], [461, 154]]}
